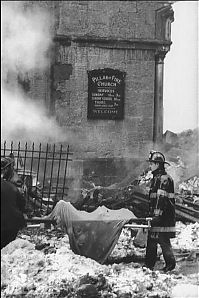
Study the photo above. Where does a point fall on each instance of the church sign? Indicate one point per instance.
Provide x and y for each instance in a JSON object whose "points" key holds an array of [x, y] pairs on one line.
{"points": [[106, 94]]}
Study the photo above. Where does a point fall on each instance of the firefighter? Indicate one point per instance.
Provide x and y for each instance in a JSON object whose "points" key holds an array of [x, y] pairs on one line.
{"points": [[162, 211], [7, 168], [8, 172], [12, 204]]}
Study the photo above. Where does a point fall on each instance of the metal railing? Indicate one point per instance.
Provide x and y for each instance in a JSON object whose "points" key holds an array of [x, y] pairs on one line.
{"points": [[42, 170]]}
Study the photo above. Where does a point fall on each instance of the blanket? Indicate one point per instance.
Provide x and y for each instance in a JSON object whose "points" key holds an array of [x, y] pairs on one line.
{"points": [[94, 234]]}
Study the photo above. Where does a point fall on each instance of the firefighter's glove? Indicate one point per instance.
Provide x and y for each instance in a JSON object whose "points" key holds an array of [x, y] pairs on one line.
{"points": [[155, 221]]}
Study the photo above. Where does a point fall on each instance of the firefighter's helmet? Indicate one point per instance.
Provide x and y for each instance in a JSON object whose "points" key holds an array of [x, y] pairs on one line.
{"points": [[5, 162], [156, 156]]}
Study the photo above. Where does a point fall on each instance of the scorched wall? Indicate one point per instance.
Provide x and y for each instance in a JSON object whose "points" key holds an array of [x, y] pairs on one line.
{"points": [[129, 36]]}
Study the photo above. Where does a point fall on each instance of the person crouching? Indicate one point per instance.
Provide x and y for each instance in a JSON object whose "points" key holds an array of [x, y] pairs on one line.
{"points": [[12, 207]]}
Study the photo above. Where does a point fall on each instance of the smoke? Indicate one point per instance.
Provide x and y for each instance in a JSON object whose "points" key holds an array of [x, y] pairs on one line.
{"points": [[26, 39], [21, 119]]}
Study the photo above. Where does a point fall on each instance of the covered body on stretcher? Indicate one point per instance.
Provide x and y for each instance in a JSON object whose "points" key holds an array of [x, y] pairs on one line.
{"points": [[94, 234]]}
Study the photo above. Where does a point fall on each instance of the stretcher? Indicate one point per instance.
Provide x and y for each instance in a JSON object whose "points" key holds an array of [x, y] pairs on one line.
{"points": [[94, 234], [139, 224], [144, 223]]}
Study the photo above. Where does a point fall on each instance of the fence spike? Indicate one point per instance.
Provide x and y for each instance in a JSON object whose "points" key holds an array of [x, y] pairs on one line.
{"points": [[34, 162], [11, 149], [4, 149]]}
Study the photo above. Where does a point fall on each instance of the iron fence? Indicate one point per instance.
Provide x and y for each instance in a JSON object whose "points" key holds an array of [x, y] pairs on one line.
{"points": [[42, 170]]}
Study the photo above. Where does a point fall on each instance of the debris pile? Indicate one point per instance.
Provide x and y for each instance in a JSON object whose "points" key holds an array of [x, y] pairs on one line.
{"points": [[187, 238], [190, 189], [134, 196], [53, 270]]}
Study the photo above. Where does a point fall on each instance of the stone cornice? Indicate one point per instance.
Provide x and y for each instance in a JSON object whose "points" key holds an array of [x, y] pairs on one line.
{"points": [[164, 17], [145, 44]]}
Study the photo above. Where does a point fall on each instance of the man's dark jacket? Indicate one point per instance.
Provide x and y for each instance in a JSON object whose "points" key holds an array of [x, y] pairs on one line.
{"points": [[12, 206]]}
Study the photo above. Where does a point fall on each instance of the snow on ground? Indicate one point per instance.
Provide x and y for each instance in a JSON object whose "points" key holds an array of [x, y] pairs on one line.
{"points": [[55, 271]]}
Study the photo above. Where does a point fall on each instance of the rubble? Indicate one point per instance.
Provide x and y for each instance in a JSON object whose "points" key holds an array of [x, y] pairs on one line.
{"points": [[40, 263], [187, 237], [27, 271], [134, 198], [126, 194], [189, 187]]}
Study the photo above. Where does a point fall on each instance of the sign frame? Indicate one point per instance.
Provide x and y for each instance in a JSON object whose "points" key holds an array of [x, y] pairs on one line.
{"points": [[105, 94]]}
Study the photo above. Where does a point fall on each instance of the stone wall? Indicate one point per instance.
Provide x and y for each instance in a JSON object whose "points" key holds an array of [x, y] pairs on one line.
{"points": [[105, 137], [91, 35], [118, 19]]}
